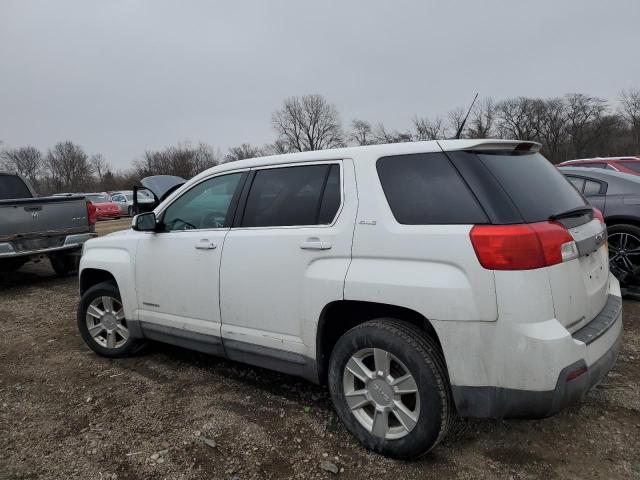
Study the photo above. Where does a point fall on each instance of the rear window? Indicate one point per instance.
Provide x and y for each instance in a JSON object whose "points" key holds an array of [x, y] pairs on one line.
{"points": [[12, 186], [425, 189], [537, 188], [635, 166]]}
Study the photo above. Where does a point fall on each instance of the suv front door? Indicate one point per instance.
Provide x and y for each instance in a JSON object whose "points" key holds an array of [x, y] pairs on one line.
{"points": [[285, 260], [177, 268]]}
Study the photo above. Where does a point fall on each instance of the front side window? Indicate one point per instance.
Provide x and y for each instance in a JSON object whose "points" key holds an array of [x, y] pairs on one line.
{"points": [[293, 196], [426, 189], [207, 205]]}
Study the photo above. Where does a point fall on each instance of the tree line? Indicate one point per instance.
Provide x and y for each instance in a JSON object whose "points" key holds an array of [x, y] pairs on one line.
{"points": [[572, 126]]}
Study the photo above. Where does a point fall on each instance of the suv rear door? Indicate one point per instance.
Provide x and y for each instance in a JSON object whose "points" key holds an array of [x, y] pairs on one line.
{"points": [[285, 258]]}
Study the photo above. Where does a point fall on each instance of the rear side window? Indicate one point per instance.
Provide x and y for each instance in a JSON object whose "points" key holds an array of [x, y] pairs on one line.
{"points": [[537, 188], [425, 189], [290, 196], [635, 166], [591, 187], [12, 186]]}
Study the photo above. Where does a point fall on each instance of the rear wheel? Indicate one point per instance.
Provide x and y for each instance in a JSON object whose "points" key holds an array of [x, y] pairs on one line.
{"points": [[9, 265], [389, 385], [624, 253], [64, 264], [102, 323], [130, 211]]}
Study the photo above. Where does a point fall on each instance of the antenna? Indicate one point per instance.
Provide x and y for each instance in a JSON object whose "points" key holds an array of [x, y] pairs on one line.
{"points": [[459, 132]]}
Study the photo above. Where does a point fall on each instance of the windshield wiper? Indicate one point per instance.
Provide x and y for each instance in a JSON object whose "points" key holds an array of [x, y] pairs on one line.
{"points": [[572, 212]]}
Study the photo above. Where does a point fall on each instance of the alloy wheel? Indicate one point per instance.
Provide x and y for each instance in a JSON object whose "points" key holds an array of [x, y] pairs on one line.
{"points": [[381, 393], [106, 323], [624, 251]]}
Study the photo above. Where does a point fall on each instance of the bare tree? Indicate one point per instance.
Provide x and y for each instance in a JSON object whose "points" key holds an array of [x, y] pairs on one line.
{"points": [[426, 129], [308, 123], [482, 122], [27, 161], [99, 165], [243, 151], [68, 166], [183, 160], [552, 128], [584, 114], [382, 135], [278, 147], [630, 111], [455, 118], [518, 118], [361, 132]]}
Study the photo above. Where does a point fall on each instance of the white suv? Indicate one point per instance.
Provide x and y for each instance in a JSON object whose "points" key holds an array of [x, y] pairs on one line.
{"points": [[416, 279]]}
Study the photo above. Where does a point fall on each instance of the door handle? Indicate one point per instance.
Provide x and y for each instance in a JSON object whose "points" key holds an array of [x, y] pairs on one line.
{"points": [[314, 243], [205, 244]]}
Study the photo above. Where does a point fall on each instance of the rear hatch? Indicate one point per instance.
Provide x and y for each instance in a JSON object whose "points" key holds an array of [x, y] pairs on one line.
{"points": [[517, 185]]}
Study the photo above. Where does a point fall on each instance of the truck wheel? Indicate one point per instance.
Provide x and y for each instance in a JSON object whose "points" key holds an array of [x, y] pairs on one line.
{"points": [[389, 385], [102, 324], [64, 264]]}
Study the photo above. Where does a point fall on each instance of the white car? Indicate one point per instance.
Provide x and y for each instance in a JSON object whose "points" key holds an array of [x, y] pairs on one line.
{"points": [[124, 200], [416, 279]]}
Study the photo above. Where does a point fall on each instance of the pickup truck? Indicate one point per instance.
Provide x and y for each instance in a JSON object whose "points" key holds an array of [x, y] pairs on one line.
{"points": [[33, 227]]}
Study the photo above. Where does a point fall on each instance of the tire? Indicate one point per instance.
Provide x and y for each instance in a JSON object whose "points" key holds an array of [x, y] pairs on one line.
{"points": [[628, 276], [64, 264], [130, 211], [411, 349], [121, 347]]}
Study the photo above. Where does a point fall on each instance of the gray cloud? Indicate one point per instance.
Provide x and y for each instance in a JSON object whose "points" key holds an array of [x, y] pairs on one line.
{"points": [[120, 77]]}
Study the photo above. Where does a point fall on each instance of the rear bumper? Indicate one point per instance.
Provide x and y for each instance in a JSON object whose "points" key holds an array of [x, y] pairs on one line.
{"points": [[601, 339], [71, 242]]}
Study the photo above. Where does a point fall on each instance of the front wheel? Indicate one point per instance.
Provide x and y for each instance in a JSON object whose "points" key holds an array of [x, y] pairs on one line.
{"points": [[390, 388], [102, 323]]}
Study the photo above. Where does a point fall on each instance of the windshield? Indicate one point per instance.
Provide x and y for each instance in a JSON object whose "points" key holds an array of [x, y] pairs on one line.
{"points": [[536, 187], [97, 198]]}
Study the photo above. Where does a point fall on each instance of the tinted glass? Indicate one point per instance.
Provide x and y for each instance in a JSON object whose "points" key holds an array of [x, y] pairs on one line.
{"points": [[426, 189], [535, 186], [285, 196], [97, 198], [331, 198], [591, 188], [204, 206], [12, 186], [635, 166], [577, 182]]}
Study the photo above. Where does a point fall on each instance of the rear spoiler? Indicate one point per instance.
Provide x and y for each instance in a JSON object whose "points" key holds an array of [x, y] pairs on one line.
{"points": [[515, 146]]}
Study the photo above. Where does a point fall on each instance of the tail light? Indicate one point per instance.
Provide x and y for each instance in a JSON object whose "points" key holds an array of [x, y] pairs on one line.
{"points": [[91, 213], [598, 214], [522, 247]]}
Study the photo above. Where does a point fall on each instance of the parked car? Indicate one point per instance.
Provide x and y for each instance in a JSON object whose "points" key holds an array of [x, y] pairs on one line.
{"points": [[124, 200], [617, 164], [617, 195], [105, 208], [32, 227], [416, 279]]}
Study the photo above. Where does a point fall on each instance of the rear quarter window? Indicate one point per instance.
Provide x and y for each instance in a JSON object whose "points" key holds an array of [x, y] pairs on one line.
{"points": [[426, 189], [537, 188]]}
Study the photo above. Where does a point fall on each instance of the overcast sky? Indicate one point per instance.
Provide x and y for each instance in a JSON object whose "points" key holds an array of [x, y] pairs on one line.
{"points": [[120, 77]]}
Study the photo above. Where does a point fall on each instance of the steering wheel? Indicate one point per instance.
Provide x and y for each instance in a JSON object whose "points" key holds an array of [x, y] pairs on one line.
{"points": [[213, 219]]}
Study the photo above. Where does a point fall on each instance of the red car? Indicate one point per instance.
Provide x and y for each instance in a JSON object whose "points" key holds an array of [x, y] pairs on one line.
{"points": [[619, 164], [105, 208]]}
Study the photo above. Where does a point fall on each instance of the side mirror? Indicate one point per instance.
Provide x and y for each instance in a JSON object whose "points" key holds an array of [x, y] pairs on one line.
{"points": [[144, 222]]}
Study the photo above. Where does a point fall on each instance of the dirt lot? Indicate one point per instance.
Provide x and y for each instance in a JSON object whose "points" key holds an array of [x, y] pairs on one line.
{"points": [[170, 413]]}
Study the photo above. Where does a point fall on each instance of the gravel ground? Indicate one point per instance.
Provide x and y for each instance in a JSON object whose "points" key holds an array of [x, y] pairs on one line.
{"points": [[170, 413]]}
